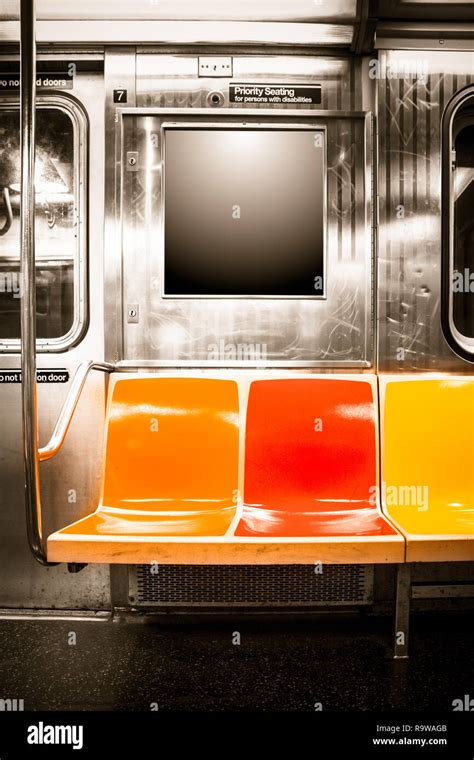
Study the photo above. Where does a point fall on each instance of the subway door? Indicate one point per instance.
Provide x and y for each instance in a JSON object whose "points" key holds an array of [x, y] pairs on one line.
{"points": [[70, 328]]}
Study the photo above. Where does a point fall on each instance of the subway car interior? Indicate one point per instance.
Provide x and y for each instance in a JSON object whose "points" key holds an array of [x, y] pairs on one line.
{"points": [[236, 355]]}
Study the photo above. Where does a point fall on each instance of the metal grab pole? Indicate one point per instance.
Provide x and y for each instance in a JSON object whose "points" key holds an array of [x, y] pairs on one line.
{"points": [[28, 279]]}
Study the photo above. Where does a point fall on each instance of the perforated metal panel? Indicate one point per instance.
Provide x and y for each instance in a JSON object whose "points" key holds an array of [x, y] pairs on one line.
{"points": [[251, 585]]}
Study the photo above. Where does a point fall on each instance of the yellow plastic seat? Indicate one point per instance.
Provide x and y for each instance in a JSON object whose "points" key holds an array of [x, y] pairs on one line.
{"points": [[428, 464], [171, 468]]}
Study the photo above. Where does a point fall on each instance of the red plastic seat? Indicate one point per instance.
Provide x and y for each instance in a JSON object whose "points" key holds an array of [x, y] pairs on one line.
{"points": [[311, 460]]}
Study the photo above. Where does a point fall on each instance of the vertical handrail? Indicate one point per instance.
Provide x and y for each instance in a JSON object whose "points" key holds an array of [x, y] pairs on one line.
{"points": [[28, 279]]}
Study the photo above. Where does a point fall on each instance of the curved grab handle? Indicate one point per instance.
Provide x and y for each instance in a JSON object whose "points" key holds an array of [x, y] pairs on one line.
{"points": [[9, 213], [69, 407]]}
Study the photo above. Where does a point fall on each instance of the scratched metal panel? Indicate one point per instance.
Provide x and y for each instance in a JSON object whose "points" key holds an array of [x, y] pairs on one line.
{"points": [[169, 81], [413, 89], [333, 332]]}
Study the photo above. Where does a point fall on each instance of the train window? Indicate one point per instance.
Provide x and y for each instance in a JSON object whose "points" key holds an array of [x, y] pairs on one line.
{"points": [[59, 225], [458, 225], [244, 212]]}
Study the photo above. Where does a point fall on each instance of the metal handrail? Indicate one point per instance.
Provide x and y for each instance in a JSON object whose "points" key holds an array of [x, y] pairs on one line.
{"points": [[69, 407], [28, 278]]}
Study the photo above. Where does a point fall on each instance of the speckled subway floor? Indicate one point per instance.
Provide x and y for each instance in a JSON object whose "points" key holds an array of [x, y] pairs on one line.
{"points": [[280, 664]]}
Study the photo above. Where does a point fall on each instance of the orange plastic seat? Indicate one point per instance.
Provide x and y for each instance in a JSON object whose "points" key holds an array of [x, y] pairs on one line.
{"points": [[171, 468], [428, 464], [311, 466]]}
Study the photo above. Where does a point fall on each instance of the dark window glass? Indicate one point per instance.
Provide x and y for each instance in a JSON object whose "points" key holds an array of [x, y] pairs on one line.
{"points": [[56, 240], [463, 239], [244, 212]]}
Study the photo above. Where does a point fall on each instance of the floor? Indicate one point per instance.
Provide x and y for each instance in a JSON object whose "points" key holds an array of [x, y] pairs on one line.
{"points": [[286, 664]]}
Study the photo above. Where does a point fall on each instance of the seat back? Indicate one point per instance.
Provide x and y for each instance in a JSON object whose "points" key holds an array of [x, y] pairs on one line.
{"points": [[428, 454], [171, 441], [310, 445]]}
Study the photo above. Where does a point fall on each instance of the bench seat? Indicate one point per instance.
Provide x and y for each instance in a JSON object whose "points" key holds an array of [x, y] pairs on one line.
{"points": [[195, 475]]}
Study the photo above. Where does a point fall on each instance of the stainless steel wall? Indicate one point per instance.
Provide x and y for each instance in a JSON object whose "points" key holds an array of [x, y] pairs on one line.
{"points": [[333, 332], [413, 89]]}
